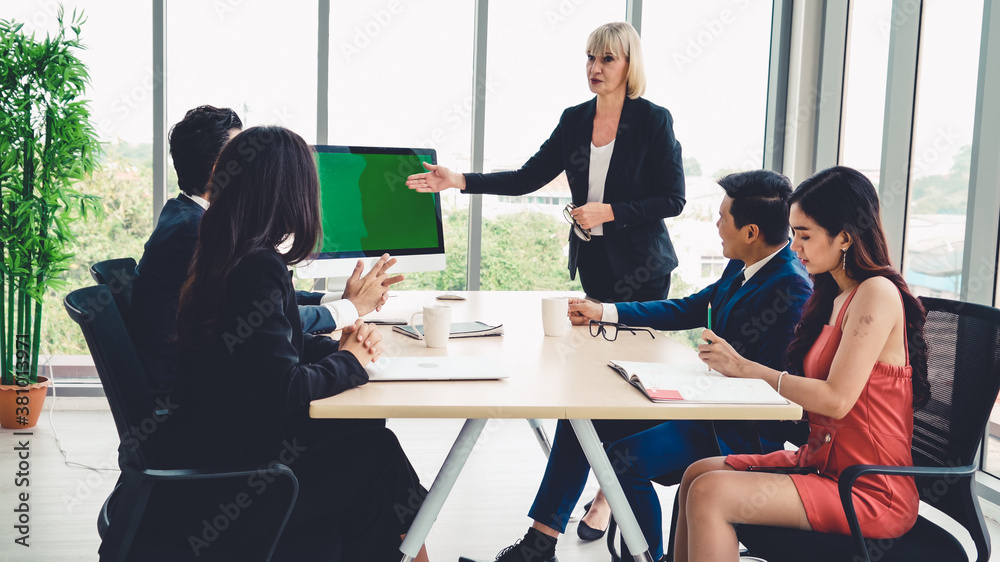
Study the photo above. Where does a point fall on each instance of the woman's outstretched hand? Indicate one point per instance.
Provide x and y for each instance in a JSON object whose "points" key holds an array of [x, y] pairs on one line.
{"points": [[436, 178], [720, 356]]}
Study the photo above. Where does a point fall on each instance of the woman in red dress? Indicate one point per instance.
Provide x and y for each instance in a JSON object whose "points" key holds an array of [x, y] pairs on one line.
{"points": [[861, 350]]}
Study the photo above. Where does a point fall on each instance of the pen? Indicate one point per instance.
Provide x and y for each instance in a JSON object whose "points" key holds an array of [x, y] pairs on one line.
{"points": [[709, 326]]}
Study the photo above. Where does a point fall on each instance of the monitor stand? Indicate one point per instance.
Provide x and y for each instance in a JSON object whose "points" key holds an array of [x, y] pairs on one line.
{"points": [[330, 284]]}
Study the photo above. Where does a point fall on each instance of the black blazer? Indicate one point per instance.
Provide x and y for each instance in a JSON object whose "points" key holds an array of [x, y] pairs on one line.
{"points": [[645, 182], [160, 275], [254, 380]]}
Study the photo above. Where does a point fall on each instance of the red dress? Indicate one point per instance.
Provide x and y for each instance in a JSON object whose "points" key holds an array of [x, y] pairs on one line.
{"points": [[877, 430]]}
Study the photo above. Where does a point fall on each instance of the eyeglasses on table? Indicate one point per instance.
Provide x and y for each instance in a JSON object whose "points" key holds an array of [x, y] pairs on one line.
{"points": [[610, 330]]}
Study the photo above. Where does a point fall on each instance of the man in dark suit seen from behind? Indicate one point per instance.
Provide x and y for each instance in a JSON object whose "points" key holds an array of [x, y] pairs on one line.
{"points": [[195, 144]]}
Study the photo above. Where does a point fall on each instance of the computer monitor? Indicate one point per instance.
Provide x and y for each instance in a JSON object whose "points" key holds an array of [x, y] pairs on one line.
{"points": [[367, 211]]}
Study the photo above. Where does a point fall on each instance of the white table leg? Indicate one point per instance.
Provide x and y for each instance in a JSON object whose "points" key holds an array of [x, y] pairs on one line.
{"points": [[443, 483], [612, 489], [541, 436]]}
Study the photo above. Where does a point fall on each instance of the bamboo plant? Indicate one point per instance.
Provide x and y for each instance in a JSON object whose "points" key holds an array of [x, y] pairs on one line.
{"points": [[47, 143]]}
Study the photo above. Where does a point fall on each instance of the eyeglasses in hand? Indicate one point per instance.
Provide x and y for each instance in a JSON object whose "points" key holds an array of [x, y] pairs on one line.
{"points": [[581, 233], [610, 330]]}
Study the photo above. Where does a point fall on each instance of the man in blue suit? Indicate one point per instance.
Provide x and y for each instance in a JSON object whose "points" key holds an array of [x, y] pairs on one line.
{"points": [[755, 306], [195, 144]]}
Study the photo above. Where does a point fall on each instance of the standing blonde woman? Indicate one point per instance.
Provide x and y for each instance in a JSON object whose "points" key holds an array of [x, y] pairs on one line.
{"points": [[626, 175], [624, 169]]}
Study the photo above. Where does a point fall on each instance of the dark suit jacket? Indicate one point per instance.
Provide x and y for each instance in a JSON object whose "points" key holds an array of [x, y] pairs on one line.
{"points": [[758, 320], [161, 273], [255, 379], [645, 183]]}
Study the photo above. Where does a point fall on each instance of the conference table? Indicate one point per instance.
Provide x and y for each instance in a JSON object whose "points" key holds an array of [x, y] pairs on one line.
{"points": [[563, 377]]}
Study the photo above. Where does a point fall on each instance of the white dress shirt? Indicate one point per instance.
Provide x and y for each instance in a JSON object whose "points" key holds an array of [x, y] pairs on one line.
{"points": [[600, 160]]}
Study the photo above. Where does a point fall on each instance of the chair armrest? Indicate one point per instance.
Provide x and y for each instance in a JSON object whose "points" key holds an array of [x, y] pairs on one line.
{"points": [[850, 474], [145, 478], [213, 473]]}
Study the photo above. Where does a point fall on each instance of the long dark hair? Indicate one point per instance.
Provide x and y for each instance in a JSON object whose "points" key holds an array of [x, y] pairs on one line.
{"points": [[264, 187], [841, 199]]}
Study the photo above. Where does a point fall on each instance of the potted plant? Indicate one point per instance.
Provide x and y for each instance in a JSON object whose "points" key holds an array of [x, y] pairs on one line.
{"points": [[47, 143]]}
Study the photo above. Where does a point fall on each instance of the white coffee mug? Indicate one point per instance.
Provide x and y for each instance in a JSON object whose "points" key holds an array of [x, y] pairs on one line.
{"points": [[555, 316], [436, 324]]}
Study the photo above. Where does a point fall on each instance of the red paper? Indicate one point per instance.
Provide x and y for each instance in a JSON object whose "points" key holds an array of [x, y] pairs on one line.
{"points": [[663, 394]]}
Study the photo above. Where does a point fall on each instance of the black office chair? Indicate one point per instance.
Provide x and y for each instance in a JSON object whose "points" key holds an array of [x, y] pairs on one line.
{"points": [[123, 536], [963, 364], [119, 275]]}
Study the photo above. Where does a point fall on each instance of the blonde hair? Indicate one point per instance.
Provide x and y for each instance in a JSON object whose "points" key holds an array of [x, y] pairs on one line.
{"points": [[617, 37]]}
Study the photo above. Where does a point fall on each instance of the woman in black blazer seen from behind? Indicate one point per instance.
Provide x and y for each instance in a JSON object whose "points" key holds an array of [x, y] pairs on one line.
{"points": [[624, 169], [248, 373]]}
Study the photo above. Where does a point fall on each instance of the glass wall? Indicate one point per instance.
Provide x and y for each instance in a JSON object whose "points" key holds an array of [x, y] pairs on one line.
{"points": [[119, 59], [942, 144], [401, 75], [230, 54], [864, 87], [536, 68], [708, 64]]}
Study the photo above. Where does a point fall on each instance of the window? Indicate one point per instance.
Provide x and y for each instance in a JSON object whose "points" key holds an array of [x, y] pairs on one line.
{"points": [[536, 68], [864, 87], [942, 142], [712, 267], [118, 57], [229, 54], [401, 75], [723, 47]]}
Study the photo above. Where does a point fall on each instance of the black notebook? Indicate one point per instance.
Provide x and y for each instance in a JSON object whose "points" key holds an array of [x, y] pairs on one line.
{"points": [[458, 330]]}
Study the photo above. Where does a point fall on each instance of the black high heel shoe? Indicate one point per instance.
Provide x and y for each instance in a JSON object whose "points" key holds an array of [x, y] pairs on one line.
{"points": [[586, 532]]}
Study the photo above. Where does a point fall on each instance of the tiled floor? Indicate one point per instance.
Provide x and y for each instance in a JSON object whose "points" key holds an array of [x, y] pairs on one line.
{"points": [[485, 512]]}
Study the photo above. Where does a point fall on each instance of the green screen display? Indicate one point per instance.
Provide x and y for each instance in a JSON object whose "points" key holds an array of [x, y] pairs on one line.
{"points": [[367, 208]]}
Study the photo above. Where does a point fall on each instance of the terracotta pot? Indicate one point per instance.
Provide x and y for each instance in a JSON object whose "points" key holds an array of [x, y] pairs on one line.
{"points": [[20, 406]]}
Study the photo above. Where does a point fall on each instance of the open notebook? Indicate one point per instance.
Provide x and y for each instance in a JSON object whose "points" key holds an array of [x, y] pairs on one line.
{"points": [[666, 382]]}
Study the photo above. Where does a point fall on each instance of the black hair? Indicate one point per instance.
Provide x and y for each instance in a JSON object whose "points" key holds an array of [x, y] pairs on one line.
{"points": [[760, 197], [195, 143], [842, 199], [275, 193]]}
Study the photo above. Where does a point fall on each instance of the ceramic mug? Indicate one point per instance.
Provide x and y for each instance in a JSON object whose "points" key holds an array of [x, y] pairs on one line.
{"points": [[555, 316], [436, 324]]}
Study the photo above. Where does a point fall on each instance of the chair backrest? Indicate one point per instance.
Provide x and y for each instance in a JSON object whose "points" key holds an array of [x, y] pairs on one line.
{"points": [[118, 366], [119, 275], [963, 368]]}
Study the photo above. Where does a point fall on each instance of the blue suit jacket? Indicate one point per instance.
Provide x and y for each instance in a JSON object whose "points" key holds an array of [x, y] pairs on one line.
{"points": [[161, 273], [757, 321]]}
